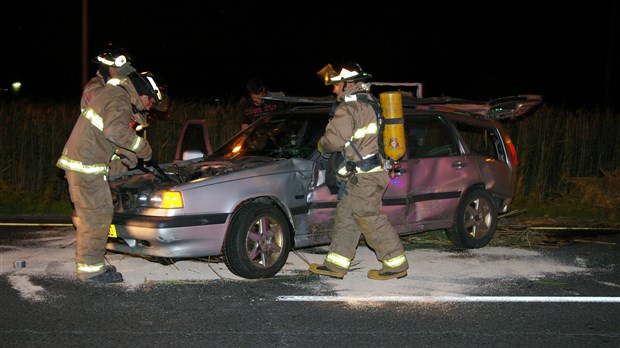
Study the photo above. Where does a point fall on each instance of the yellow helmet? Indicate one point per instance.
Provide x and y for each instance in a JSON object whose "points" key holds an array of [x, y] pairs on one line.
{"points": [[347, 72]]}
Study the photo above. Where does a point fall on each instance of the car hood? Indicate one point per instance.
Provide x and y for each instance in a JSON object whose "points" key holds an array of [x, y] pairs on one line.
{"points": [[210, 171]]}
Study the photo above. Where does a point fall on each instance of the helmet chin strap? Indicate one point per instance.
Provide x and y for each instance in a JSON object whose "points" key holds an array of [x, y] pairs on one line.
{"points": [[357, 87]]}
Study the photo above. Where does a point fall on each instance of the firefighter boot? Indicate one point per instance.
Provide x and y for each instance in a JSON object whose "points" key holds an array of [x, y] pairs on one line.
{"points": [[110, 275], [324, 270], [386, 273]]}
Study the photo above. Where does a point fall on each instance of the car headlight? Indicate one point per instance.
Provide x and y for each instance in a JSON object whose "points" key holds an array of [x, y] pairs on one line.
{"points": [[164, 200]]}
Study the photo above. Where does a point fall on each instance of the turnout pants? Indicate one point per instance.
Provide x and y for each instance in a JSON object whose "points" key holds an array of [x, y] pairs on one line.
{"points": [[359, 213], [94, 210]]}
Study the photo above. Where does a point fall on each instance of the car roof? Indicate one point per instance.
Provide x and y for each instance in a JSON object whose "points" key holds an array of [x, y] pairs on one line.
{"points": [[409, 109]]}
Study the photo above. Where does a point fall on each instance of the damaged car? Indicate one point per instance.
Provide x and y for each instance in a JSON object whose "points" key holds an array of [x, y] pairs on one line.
{"points": [[268, 191]]}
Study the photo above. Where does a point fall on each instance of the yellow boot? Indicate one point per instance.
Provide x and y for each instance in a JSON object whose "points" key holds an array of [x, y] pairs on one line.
{"points": [[386, 274], [323, 270]]}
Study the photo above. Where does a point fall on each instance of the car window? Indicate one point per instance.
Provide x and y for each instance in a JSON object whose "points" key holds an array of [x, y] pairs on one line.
{"points": [[481, 140], [429, 137], [281, 136]]}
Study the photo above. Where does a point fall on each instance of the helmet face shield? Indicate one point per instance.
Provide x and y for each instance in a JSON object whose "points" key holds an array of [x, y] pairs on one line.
{"points": [[145, 85]]}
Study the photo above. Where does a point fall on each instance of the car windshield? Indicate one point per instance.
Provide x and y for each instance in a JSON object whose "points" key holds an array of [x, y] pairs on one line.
{"points": [[279, 135]]}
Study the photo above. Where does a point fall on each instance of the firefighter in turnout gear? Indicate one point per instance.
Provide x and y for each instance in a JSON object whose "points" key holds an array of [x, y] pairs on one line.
{"points": [[109, 102], [113, 65], [353, 130]]}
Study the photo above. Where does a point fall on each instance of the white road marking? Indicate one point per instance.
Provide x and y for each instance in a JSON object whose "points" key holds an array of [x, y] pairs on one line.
{"points": [[448, 299]]}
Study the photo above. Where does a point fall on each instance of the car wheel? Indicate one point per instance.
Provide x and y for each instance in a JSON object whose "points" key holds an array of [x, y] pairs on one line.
{"points": [[475, 220], [258, 243]]}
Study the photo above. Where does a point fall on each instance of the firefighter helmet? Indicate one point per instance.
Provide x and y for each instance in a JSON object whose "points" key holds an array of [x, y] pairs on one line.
{"points": [[117, 58], [146, 84], [113, 57], [349, 72]]}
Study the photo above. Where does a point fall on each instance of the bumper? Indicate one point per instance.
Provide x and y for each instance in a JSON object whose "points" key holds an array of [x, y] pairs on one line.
{"points": [[172, 237]]}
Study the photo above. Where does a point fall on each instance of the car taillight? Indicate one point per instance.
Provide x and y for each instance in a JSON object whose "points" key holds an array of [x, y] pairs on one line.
{"points": [[512, 151]]}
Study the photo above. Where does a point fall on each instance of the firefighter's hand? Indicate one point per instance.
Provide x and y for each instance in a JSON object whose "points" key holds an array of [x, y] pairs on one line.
{"points": [[145, 163], [146, 153], [129, 159]]}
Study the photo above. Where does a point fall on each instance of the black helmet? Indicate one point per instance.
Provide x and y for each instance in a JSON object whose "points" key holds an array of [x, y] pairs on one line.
{"points": [[113, 57], [146, 84], [117, 58], [349, 72]]}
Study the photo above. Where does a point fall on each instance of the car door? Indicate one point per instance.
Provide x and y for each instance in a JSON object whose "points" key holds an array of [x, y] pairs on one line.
{"points": [[194, 141], [433, 176], [484, 143]]}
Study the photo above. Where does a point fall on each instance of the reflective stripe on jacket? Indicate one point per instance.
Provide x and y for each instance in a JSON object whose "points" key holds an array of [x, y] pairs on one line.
{"points": [[354, 122]]}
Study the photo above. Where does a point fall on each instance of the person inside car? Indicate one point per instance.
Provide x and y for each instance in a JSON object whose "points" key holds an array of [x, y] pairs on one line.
{"points": [[254, 107]]}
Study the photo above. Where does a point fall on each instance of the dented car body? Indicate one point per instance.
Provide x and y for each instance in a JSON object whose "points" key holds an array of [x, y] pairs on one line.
{"points": [[265, 191]]}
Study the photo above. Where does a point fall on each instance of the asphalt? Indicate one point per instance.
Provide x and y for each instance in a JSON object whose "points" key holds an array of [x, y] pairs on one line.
{"points": [[35, 220]]}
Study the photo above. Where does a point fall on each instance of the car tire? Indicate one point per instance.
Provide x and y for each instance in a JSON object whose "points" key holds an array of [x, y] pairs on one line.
{"points": [[475, 220], [258, 243]]}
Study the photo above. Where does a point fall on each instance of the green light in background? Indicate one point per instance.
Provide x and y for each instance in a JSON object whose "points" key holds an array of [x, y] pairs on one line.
{"points": [[16, 86]]}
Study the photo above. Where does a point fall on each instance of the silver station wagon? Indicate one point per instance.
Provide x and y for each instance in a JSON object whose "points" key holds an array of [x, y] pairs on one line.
{"points": [[267, 190]]}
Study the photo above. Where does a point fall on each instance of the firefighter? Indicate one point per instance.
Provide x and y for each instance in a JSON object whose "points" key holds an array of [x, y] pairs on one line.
{"points": [[101, 130], [113, 65], [353, 130]]}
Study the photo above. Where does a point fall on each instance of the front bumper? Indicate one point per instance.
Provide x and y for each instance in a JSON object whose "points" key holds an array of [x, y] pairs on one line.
{"points": [[171, 237]]}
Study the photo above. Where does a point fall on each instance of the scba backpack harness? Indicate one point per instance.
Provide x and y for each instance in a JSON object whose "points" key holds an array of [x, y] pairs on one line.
{"points": [[391, 143]]}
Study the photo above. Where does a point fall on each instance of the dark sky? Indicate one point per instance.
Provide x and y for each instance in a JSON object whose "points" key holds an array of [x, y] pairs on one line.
{"points": [[567, 53]]}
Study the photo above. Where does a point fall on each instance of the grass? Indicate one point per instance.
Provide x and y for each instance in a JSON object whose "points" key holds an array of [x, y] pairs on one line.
{"points": [[25, 204]]}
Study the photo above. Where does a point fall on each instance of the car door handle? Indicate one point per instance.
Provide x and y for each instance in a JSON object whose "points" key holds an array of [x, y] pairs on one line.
{"points": [[458, 164]]}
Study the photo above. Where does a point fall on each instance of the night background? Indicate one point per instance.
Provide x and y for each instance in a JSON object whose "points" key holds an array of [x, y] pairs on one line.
{"points": [[568, 53]]}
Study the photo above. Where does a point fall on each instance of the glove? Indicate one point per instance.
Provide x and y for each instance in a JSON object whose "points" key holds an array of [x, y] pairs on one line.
{"points": [[128, 158], [146, 152]]}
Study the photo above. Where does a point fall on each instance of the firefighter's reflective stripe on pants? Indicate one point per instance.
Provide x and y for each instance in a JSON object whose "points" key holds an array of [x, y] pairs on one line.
{"points": [[338, 260], [395, 261], [359, 212], [94, 211], [84, 268]]}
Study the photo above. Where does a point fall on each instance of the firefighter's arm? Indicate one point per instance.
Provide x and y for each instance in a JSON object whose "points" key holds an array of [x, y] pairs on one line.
{"points": [[117, 116], [338, 132], [146, 153]]}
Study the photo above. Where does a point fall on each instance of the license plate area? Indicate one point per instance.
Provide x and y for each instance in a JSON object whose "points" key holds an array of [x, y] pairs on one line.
{"points": [[112, 232]]}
